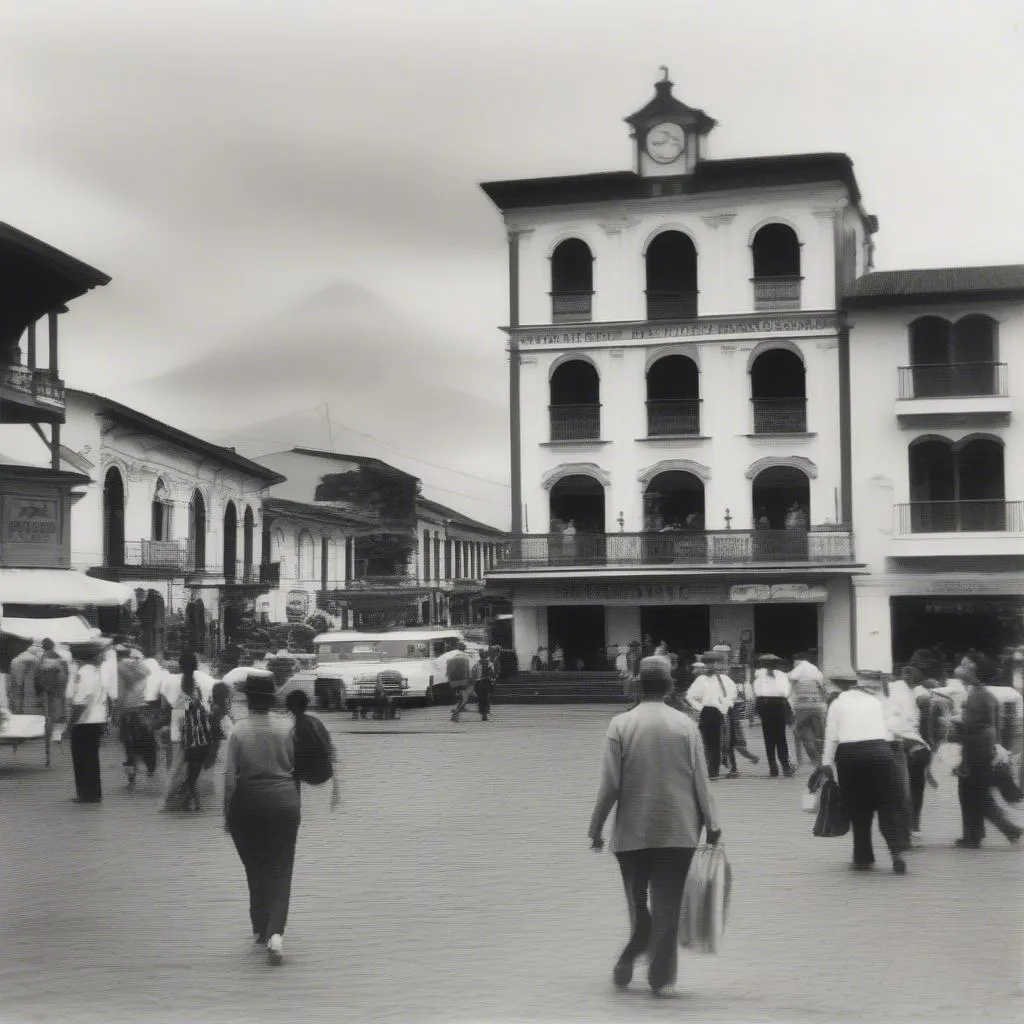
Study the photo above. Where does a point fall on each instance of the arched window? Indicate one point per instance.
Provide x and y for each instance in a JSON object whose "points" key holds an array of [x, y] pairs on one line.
{"points": [[673, 397], [162, 507], [577, 517], [671, 277], [113, 519], [572, 281], [955, 487], [248, 529], [953, 360], [575, 402], [674, 518], [781, 500], [776, 254], [778, 390], [307, 556], [197, 530], [230, 542]]}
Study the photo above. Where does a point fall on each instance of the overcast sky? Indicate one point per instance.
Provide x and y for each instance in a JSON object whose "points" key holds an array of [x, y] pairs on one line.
{"points": [[286, 193]]}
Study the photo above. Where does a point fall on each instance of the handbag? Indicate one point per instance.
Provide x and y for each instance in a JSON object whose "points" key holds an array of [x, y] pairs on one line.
{"points": [[832, 821], [706, 895], [1004, 778]]}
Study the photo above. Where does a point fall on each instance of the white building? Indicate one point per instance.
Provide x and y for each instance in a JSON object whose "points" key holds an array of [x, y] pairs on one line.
{"points": [[677, 371], [938, 460], [176, 518]]}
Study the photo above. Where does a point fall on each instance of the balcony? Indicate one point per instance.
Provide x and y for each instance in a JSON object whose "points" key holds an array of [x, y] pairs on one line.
{"points": [[699, 549], [571, 307], [972, 390], [241, 574], [30, 396], [958, 528], [575, 422], [776, 293], [674, 419], [780, 415], [671, 305], [159, 559]]}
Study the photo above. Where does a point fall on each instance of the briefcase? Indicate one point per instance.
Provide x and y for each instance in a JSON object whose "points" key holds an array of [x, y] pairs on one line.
{"points": [[831, 821]]}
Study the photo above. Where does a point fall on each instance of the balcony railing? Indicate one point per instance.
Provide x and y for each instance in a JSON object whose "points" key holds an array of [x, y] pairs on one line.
{"points": [[571, 307], [722, 547], [780, 415], [173, 556], [382, 582], [776, 293], [671, 305], [41, 384], [575, 422], [981, 516], [678, 417], [953, 380], [244, 574]]}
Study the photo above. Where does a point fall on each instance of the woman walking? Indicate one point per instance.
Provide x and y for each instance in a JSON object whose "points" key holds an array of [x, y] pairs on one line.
{"points": [[262, 809], [89, 713]]}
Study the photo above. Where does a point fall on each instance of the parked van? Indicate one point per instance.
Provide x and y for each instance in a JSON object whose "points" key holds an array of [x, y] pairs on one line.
{"points": [[349, 662]]}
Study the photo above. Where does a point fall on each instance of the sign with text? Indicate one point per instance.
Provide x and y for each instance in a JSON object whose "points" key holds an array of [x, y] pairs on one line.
{"points": [[762, 593], [31, 531]]}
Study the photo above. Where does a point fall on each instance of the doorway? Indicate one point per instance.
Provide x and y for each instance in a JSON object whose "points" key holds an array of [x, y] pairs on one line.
{"points": [[785, 629], [579, 630], [685, 628]]}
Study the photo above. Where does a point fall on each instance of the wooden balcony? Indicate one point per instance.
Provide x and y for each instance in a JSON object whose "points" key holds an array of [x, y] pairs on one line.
{"points": [[30, 396]]}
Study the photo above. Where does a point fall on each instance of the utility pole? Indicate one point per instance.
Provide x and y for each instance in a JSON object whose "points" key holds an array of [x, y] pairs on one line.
{"points": [[330, 432]]}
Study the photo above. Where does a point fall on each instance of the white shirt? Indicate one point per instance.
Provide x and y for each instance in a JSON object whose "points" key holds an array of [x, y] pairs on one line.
{"points": [[902, 715], [771, 683], [90, 689], [853, 717], [712, 692], [155, 679]]}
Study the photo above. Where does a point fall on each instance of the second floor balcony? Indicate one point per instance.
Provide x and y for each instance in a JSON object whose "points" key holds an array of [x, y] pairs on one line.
{"points": [[776, 293], [779, 415], [571, 307], [679, 418], [933, 390], [30, 396], [693, 549], [580, 422], [994, 515], [671, 305]]}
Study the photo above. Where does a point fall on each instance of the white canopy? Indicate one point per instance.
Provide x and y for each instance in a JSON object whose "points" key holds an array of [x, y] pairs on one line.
{"points": [[69, 630], [61, 587]]}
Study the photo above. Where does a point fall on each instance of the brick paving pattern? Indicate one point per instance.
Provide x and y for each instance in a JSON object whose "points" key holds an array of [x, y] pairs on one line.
{"points": [[456, 884]]}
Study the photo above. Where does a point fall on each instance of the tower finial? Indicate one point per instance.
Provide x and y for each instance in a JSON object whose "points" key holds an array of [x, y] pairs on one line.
{"points": [[664, 72]]}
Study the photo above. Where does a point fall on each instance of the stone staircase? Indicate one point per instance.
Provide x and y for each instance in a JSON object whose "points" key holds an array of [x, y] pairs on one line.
{"points": [[561, 688]]}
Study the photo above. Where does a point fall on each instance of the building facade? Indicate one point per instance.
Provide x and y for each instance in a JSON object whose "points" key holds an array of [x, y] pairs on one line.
{"points": [[679, 408], [938, 460], [177, 519]]}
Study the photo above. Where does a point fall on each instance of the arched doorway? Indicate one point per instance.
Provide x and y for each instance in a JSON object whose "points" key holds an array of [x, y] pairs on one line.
{"points": [[778, 391], [572, 281], [230, 542], [197, 530], [577, 520], [671, 270], [113, 519], [674, 518], [673, 397], [781, 498], [575, 407]]}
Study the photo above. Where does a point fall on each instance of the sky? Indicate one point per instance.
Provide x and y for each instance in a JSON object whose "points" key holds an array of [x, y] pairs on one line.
{"points": [[286, 194]]}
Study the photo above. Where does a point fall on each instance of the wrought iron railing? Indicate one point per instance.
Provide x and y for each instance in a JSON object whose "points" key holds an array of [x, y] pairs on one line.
{"points": [[41, 384], [575, 422], [160, 555], [681, 416], [671, 305], [780, 415], [569, 307], [953, 380], [717, 547], [776, 293], [985, 515]]}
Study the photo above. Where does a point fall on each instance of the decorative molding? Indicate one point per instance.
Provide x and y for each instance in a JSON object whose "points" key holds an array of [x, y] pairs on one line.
{"points": [[716, 220], [727, 349], [591, 469], [674, 440], [617, 225], [515, 231], [527, 360], [773, 440], [800, 462], [616, 353], [568, 446], [697, 469]]}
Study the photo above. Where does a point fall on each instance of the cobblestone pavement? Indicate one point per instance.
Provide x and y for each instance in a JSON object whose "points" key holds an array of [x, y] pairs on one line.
{"points": [[456, 884]]}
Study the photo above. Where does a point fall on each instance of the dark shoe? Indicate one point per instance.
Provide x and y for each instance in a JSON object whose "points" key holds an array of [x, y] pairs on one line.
{"points": [[773, 772], [963, 844], [84, 800], [622, 973], [1014, 837], [733, 774], [899, 866], [789, 772]]}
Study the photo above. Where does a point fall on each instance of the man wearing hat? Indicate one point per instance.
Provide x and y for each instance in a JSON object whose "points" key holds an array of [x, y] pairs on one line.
{"points": [[654, 774], [772, 691], [711, 695], [858, 750]]}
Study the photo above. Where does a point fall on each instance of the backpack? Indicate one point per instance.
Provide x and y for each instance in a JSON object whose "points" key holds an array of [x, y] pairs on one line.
{"points": [[195, 727], [313, 762]]}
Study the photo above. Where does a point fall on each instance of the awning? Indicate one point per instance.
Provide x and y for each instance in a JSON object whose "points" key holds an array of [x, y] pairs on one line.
{"points": [[63, 587], [69, 630]]}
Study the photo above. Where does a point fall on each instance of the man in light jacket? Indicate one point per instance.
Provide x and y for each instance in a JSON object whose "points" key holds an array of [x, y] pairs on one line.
{"points": [[654, 771]]}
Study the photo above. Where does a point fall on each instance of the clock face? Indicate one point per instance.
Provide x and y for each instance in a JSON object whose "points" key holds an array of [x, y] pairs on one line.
{"points": [[665, 142]]}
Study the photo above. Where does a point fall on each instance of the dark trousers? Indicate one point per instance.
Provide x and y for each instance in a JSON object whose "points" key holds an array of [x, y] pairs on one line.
{"points": [[265, 837], [917, 766], [194, 761], [978, 805], [899, 758], [772, 712], [464, 693], [710, 725], [85, 759], [869, 784], [654, 930], [138, 738], [483, 702], [809, 730]]}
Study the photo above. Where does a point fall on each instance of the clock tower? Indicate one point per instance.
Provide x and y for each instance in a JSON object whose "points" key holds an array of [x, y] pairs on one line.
{"points": [[671, 138]]}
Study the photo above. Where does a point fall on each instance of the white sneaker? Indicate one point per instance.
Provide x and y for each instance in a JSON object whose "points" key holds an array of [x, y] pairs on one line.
{"points": [[275, 950], [666, 992]]}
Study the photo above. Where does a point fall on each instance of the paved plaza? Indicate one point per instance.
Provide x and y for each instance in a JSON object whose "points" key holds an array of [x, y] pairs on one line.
{"points": [[456, 884]]}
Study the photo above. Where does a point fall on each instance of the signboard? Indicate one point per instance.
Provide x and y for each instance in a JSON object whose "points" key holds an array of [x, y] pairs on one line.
{"points": [[31, 530], [760, 593]]}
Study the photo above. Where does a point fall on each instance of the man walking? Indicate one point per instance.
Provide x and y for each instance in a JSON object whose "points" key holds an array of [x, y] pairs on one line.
{"points": [[459, 678], [51, 684], [771, 694], [654, 773], [809, 706], [711, 695], [21, 687]]}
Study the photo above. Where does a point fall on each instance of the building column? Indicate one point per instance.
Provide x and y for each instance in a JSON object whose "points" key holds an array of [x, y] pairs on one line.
{"points": [[873, 640]]}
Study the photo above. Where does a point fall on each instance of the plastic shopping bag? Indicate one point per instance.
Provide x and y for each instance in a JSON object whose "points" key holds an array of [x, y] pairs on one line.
{"points": [[705, 900]]}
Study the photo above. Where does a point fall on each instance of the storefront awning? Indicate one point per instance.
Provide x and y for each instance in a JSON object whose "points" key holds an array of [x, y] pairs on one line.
{"points": [[62, 587], [68, 630]]}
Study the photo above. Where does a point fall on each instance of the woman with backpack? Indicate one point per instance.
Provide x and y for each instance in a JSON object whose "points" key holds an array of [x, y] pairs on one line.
{"points": [[316, 758], [262, 809]]}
